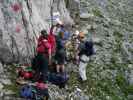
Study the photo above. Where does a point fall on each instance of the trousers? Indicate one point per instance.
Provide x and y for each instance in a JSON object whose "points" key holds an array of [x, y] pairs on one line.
{"points": [[82, 67]]}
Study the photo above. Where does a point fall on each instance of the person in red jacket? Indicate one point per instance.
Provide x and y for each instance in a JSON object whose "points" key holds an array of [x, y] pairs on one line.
{"points": [[43, 54], [52, 40]]}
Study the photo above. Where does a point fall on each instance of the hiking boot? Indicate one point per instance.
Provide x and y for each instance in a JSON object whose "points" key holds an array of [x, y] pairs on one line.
{"points": [[81, 80]]}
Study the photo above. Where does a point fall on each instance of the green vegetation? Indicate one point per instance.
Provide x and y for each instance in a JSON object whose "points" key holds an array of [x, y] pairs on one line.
{"points": [[14, 88], [130, 89], [101, 84], [118, 34], [118, 41], [120, 80], [97, 12], [12, 75]]}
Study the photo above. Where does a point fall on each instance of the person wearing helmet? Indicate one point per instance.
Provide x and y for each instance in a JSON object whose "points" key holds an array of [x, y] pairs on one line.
{"points": [[43, 54], [58, 27]]}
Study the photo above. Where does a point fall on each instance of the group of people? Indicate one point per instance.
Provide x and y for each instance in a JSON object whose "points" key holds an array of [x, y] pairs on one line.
{"points": [[55, 49], [60, 47]]}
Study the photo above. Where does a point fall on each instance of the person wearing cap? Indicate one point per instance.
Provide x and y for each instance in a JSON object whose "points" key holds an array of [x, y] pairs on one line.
{"points": [[83, 59]]}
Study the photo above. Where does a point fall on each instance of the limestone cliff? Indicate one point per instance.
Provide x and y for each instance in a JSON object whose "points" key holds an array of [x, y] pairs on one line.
{"points": [[20, 24]]}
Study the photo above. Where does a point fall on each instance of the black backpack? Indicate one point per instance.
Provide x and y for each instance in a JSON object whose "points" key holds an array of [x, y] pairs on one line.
{"points": [[58, 79], [88, 48]]}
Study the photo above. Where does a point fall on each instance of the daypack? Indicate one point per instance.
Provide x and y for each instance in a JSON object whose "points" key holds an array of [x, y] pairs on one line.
{"points": [[41, 85], [43, 46], [39, 93], [58, 79], [33, 93], [27, 75], [26, 92], [66, 35], [87, 49], [42, 94], [59, 43]]}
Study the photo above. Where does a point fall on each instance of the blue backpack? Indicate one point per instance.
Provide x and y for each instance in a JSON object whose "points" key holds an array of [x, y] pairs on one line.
{"points": [[66, 35], [26, 92]]}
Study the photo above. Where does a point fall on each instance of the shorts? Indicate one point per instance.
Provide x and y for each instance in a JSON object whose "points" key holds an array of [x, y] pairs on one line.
{"points": [[60, 57]]}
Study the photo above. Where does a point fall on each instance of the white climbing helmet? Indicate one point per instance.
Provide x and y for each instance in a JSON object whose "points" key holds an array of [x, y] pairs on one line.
{"points": [[56, 14], [59, 21], [76, 33]]}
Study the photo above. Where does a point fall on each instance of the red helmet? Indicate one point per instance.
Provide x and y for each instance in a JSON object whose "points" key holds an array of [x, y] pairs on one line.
{"points": [[27, 75]]}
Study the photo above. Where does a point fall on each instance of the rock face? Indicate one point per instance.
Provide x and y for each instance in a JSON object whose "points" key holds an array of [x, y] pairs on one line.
{"points": [[20, 24], [109, 23]]}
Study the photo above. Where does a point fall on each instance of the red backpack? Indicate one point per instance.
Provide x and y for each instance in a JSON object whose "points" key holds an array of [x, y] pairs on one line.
{"points": [[43, 46]]}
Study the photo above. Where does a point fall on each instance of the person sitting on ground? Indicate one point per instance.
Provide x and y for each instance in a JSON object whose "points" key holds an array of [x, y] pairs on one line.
{"points": [[60, 53], [43, 54]]}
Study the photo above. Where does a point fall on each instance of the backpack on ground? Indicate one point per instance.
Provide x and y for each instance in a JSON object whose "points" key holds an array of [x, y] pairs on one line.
{"points": [[26, 92], [42, 94], [41, 91], [58, 79]]}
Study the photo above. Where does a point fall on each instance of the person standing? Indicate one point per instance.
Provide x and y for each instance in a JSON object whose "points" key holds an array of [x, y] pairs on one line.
{"points": [[43, 55], [83, 58], [60, 53]]}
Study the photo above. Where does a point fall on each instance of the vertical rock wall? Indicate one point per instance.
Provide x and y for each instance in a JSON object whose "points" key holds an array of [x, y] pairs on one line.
{"points": [[20, 24]]}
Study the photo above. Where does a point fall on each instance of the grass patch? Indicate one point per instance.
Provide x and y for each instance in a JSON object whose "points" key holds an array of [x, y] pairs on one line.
{"points": [[13, 76], [73, 81], [118, 41], [130, 89], [117, 34], [121, 82], [97, 12], [14, 88]]}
